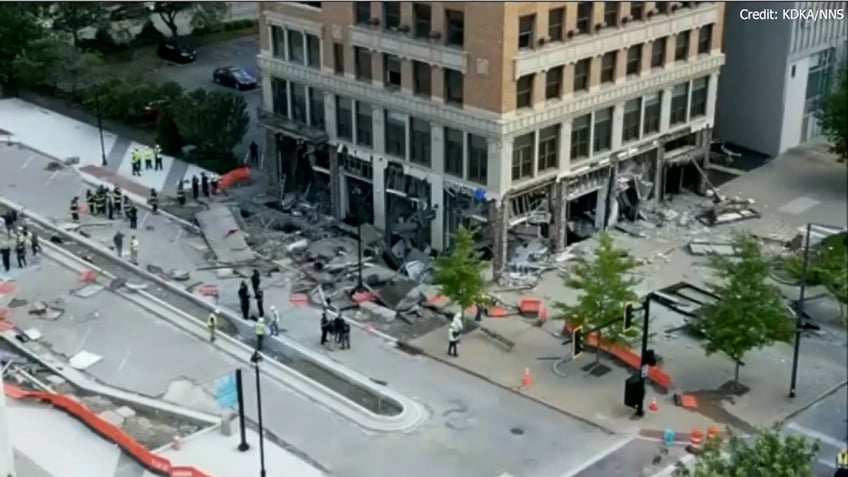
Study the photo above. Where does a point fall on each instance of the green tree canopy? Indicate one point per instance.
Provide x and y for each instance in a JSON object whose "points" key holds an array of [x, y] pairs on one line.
{"points": [[213, 122], [54, 63], [833, 116], [71, 17], [19, 29], [606, 287], [768, 453], [201, 13], [460, 274], [750, 313]]}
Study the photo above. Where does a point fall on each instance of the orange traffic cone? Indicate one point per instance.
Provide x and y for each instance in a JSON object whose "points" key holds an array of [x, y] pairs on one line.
{"points": [[654, 407], [527, 380]]}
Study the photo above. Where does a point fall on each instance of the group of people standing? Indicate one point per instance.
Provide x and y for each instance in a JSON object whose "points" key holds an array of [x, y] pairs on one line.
{"points": [[105, 203], [152, 159], [337, 329], [259, 317], [208, 185], [19, 236]]}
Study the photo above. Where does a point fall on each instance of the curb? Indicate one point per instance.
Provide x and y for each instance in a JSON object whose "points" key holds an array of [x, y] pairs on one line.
{"points": [[513, 390], [833, 390]]}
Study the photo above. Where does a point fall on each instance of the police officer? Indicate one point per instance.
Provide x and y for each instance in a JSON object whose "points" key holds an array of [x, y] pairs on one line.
{"points": [[20, 251], [181, 198], [275, 321], [259, 307], [325, 328], [260, 333], [132, 215], [6, 254], [244, 300], [75, 209], [117, 199], [255, 280], [338, 325], [89, 202], [345, 332], [195, 187], [154, 201], [157, 157], [212, 324], [204, 184], [118, 241], [134, 250], [148, 159], [136, 162], [34, 244]]}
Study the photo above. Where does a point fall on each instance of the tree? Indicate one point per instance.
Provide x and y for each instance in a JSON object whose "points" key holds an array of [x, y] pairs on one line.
{"points": [[460, 274], [71, 17], [831, 263], [606, 288], [768, 453], [201, 13], [833, 116], [19, 29], [54, 63], [750, 312], [212, 122], [124, 17]]}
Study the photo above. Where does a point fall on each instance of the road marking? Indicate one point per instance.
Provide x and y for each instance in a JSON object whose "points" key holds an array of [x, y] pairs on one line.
{"points": [[144, 219], [817, 435], [798, 205], [83, 340], [52, 176], [827, 463], [26, 163], [599, 456], [124, 361]]}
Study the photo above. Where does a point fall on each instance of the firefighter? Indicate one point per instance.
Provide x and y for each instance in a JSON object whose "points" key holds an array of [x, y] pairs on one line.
{"points": [[154, 201], [181, 196], [89, 202], [212, 325], [157, 157], [75, 209], [204, 184], [117, 199], [132, 215], [195, 187]]}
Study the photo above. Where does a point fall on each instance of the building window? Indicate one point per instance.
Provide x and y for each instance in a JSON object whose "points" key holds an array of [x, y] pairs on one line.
{"points": [[681, 46], [298, 103], [316, 108], [421, 77], [581, 75], [584, 17], [362, 63], [524, 92], [632, 120], [391, 71], [296, 47], [603, 130], [313, 51], [553, 83], [634, 60], [580, 130], [420, 141], [362, 12], [278, 38], [526, 27], [522, 157], [395, 134], [280, 96], [611, 13], [422, 15], [549, 148], [344, 118], [455, 22], [478, 159], [608, 67], [705, 39], [653, 112], [338, 58], [637, 10], [391, 15], [679, 103], [658, 53], [663, 7], [453, 152], [454, 89], [699, 97], [364, 124], [556, 19]]}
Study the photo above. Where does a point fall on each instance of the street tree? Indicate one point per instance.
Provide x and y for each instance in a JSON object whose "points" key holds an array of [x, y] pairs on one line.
{"points": [[72, 17], [19, 29], [460, 273], [200, 13], [56, 64], [214, 123], [833, 116], [750, 312], [831, 263], [606, 287], [766, 453]]}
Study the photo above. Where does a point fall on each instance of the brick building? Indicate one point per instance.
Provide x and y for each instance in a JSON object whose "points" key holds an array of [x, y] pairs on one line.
{"points": [[554, 116]]}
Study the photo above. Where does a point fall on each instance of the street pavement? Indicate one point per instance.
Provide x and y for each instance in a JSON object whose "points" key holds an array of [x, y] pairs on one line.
{"points": [[825, 422], [474, 428]]}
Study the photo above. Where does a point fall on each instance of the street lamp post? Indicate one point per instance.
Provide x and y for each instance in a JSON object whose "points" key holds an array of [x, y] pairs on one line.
{"points": [[99, 125], [799, 311], [645, 359], [358, 197], [255, 359]]}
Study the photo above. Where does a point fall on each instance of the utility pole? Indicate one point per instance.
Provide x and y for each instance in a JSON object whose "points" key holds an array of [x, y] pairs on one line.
{"points": [[7, 457], [799, 311]]}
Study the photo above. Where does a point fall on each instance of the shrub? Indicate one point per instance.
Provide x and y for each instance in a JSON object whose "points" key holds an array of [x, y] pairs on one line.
{"points": [[167, 135], [128, 101], [102, 42]]}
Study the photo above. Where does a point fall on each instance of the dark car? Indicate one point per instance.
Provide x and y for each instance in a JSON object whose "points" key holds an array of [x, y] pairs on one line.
{"points": [[177, 52], [234, 77]]}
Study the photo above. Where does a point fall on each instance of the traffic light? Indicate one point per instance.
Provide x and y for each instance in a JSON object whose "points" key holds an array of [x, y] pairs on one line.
{"points": [[629, 316], [576, 342]]}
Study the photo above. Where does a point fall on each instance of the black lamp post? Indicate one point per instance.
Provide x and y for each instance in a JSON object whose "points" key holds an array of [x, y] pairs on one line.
{"points": [[255, 359], [358, 216], [99, 125]]}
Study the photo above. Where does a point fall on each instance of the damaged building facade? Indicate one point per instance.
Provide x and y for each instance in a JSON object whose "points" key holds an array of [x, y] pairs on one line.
{"points": [[548, 118]]}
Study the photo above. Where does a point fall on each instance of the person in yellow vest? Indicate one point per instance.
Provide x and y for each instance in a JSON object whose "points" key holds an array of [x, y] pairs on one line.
{"points": [[148, 159], [212, 324], [157, 158], [136, 162], [842, 460], [260, 333]]}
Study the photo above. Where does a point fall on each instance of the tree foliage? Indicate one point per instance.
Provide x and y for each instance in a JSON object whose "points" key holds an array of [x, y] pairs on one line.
{"points": [[212, 122], [460, 274], [19, 29], [768, 453], [833, 116], [54, 63], [71, 17], [606, 287], [202, 14], [750, 313]]}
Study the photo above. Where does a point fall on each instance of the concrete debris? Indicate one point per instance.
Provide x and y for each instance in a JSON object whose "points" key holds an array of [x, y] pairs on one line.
{"points": [[112, 417], [380, 312], [87, 291], [71, 161], [84, 360], [705, 247], [32, 334], [178, 275]]}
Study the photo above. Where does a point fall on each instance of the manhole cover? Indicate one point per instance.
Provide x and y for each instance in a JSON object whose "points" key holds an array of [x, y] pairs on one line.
{"points": [[517, 431]]}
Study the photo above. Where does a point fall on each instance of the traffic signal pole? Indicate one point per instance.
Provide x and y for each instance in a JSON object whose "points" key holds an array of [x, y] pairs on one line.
{"points": [[643, 364]]}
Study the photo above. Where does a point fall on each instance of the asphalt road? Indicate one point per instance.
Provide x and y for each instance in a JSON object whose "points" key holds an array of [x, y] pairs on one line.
{"points": [[238, 52], [827, 422]]}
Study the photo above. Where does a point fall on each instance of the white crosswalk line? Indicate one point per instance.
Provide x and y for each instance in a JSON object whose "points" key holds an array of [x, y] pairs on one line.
{"points": [[824, 438]]}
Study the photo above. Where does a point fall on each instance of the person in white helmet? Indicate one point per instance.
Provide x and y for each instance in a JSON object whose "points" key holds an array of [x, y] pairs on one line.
{"points": [[275, 321], [212, 324]]}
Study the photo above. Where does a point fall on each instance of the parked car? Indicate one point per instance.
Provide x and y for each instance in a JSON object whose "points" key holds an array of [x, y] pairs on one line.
{"points": [[234, 77], [177, 52]]}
